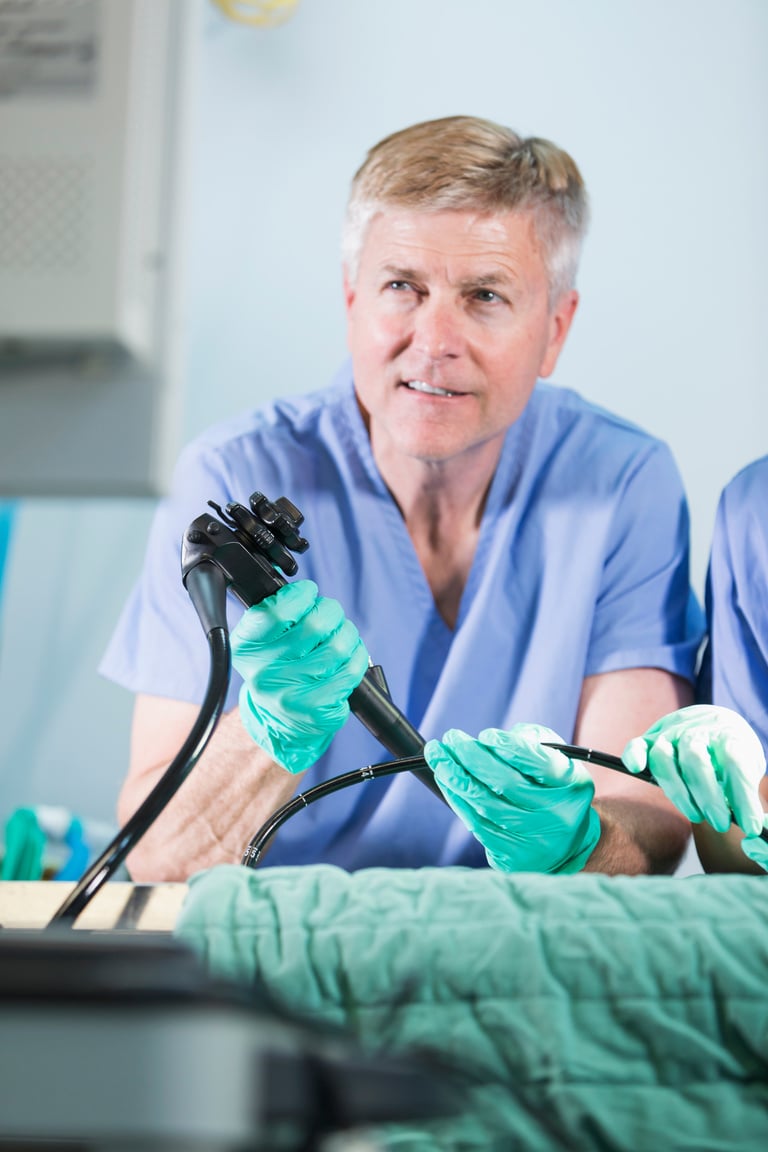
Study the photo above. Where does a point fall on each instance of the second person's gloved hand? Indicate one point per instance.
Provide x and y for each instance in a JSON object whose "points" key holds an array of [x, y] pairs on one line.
{"points": [[529, 806], [300, 659], [709, 762]]}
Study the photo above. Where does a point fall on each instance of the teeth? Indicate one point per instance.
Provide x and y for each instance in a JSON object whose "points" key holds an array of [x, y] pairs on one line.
{"points": [[421, 386]]}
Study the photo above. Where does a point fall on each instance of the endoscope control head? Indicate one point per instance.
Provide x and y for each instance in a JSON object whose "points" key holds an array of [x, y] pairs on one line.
{"points": [[270, 529], [247, 545]]}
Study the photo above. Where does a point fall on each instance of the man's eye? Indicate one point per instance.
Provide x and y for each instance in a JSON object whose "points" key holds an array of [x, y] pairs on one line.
{"points": [[486, 296], [398, 285]]}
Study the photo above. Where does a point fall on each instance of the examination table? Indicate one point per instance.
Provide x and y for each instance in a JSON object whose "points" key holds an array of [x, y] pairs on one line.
{"points": [[573, 1012]]}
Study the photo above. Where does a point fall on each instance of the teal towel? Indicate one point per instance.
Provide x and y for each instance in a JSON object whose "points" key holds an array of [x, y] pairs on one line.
{"points": [[588, 1012]]}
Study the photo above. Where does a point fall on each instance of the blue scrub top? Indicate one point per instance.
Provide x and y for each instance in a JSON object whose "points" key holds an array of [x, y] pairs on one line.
{"points": [[581, 568], [734, 670]]}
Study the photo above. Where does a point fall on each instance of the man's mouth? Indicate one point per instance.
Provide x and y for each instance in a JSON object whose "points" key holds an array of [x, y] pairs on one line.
{"points": [[429, 389]]}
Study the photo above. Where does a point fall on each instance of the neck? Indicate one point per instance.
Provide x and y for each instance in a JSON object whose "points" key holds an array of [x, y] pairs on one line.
{"points": [[442, 504], [431, 492]]}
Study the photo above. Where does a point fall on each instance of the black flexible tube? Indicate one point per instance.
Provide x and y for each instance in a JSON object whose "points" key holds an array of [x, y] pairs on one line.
{"points": [[576, 752], [260, 839], [169, 783], [416, 765]]}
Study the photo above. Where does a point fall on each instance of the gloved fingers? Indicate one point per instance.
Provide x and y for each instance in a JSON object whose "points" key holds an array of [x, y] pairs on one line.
{"points": [[635, 755], [342, 659], [495, 822], [489, 783], [522, 824], [460, 766], [700, 768], [324, 682], [257, 640], [328, 656], [664, 766], [295, 741], [522, 747], [671, 726], [272, 617], [756, 849], [741, 765], [708, 761], [482, 826]]}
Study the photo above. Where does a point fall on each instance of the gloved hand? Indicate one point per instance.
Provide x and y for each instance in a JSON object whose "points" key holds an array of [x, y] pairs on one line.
{"points": [[529, 806], [300, 659], [709, 762]]}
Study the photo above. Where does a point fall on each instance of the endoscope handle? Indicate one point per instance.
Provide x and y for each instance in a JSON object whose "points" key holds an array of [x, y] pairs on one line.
{"points": [[374, 708], [232, 547]]}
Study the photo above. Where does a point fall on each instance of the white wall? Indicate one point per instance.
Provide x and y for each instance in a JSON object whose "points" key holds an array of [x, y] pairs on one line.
{"points": [[663, 104]]}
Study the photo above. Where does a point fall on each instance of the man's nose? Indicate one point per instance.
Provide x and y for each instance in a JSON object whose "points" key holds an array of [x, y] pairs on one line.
{"points": [[438, 328]]}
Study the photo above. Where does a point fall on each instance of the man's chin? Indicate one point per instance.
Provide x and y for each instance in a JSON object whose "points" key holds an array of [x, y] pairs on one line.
{"points": [[432, 449]]}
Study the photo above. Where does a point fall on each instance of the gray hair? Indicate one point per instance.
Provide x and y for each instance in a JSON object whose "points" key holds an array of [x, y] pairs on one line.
{"points": [[463, 162]]}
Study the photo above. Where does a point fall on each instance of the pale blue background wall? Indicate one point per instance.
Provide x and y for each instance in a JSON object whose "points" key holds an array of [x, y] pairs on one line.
{"points": [[664, 105]]}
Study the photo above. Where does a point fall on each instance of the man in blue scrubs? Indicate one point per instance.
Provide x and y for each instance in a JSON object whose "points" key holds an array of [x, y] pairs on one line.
{"points": [[513, 556]]}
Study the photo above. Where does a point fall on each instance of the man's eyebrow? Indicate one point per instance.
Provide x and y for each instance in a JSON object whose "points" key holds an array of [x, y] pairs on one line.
{"points": [[485, 280], [398, 272], [489, 280]]}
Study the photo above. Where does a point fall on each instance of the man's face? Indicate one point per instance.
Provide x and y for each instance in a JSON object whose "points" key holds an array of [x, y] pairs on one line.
{"points": [[449, 327]]}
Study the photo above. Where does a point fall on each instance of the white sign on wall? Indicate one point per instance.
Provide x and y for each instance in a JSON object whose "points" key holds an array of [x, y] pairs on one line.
{"points": [[48, 47]]}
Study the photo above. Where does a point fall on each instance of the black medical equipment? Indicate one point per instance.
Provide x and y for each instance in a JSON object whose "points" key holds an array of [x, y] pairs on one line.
{"points": [[115, 1041], [243, 550], [590, 755], [301, 800]]}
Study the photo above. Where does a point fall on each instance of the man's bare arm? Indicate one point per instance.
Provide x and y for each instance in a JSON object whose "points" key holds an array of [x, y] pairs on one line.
{"points": [[641, 830], [231, 791], [299, 659]]}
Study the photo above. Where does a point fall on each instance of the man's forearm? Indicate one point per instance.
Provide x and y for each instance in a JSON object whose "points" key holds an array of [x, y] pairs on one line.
{"points": [[229, 794], [638, 839]]}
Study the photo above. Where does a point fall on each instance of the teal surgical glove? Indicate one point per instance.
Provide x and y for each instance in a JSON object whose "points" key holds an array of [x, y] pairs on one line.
{"points": [[300, 659], [756, 849], [708, 761], [529, 806]]}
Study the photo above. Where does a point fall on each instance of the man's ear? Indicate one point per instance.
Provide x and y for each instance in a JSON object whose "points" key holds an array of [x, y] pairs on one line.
{"points": [[560, 320], [349, 288]]}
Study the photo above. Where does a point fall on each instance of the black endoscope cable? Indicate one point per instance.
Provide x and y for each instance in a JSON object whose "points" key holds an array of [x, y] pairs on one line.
{"points": [[260, 839], [208, 589], [302, 800]]}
